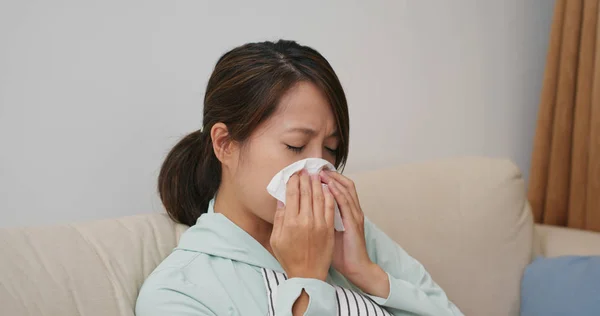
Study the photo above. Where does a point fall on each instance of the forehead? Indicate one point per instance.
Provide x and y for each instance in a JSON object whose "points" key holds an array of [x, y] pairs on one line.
{"points": [[305, 105]]}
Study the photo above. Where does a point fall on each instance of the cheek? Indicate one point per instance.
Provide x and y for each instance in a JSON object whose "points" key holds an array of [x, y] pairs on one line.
{"points": [[257, 168], [265, 158], [260, 165]]}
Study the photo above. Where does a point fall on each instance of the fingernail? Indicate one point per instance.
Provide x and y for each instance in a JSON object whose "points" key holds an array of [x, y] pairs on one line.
{"points": [[279, 204], [324, 178]]}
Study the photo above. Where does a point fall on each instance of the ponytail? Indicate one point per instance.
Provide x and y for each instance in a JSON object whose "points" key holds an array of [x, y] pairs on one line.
{"points": [[189, 178]]}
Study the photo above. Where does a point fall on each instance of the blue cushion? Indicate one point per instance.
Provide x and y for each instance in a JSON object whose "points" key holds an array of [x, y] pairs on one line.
{"points": [[568, 285]]}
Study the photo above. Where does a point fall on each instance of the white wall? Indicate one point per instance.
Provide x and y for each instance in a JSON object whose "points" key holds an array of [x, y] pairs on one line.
{"points": [[94, 93]]}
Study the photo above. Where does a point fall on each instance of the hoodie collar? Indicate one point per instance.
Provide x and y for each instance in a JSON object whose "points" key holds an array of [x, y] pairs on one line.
{"points": [[214, 234]]}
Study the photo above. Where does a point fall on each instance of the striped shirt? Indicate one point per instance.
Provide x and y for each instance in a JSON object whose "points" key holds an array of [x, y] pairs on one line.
{"points": [[349, 302]]}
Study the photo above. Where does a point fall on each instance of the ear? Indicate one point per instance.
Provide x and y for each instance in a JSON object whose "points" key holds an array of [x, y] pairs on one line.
{"points": [[225, 149]]}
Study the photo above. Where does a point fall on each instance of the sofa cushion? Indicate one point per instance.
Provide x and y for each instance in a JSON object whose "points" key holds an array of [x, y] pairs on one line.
{"points": [[93, 268], [466, 220], [555, 241], [568, 285]]}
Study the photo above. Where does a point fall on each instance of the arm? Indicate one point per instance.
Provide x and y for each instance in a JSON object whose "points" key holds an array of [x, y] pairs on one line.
{"points": [[302, 241], [411, 288], [375, 264], [168, 301]]}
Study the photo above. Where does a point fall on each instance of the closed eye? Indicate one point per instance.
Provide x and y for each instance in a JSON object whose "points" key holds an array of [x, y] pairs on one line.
{"points": [[331, 150], [295, 149], [299, 149]]}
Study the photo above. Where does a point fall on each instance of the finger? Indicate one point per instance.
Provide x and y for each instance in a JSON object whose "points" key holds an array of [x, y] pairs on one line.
{"points": [[305, 195], [329, 206], [356, 212], [348, 190], [347, 183], [343, 202], [292, 196], [318, 200]]}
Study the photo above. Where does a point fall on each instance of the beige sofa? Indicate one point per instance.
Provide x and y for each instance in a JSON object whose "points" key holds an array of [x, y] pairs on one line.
{"points": [[467, 220]]}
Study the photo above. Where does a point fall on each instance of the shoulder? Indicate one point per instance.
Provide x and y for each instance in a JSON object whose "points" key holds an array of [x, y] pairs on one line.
{"points": [[182, 284]]}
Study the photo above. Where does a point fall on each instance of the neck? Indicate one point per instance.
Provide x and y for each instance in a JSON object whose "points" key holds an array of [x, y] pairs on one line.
{"points": [[230, 207]]}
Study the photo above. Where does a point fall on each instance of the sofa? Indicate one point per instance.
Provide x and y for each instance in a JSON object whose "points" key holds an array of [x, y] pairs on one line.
{"points": [[466, 220]]}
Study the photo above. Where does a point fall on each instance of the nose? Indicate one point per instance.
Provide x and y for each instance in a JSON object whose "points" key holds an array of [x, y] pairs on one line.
{"points": [[315, 153]]}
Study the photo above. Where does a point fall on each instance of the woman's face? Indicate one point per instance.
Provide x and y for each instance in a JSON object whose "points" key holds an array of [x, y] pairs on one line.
{"points": [[302, 127]]}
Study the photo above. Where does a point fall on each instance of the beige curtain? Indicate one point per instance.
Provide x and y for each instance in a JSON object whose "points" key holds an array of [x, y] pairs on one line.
{"points": [[564, 186]]}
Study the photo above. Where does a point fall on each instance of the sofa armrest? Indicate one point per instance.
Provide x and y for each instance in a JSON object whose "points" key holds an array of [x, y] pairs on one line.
{"points": [[554, 241]]}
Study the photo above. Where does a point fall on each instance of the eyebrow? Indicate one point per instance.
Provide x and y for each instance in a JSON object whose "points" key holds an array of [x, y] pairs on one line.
{"points": [[309, 131]]}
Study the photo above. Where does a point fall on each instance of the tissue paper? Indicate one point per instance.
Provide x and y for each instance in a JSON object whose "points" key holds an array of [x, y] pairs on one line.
{"points": [[278, 184]]}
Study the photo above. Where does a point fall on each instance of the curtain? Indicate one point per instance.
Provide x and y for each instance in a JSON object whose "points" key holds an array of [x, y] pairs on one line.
{"points": [[564, 184]]}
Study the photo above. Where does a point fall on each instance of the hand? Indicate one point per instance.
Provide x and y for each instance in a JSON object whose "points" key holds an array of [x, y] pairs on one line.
{"points": [[350, 256], [302, 239]]}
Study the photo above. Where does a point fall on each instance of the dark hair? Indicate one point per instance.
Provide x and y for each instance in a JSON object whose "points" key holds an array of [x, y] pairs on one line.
{"points": [[242, 92]]}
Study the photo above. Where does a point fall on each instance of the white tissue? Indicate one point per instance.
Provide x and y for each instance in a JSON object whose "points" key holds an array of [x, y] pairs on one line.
{"points": [[278, 184]]}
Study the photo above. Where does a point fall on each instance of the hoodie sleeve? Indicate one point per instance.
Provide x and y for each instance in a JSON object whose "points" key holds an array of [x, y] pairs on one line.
{"points": [[168, 301], [321, 296], [411, 287]]}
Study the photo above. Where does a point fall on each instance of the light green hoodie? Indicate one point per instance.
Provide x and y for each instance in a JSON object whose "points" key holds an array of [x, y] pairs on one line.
{"points": [[217, 269]]}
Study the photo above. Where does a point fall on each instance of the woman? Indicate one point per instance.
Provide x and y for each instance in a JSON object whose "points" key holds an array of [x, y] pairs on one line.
{"points": [[266, 106]]}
